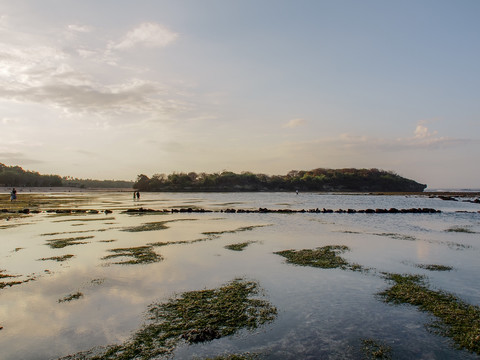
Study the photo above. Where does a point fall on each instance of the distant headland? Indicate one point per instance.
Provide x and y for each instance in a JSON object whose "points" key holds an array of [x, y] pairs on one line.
{"points": [[331, 180], [15, 176]]}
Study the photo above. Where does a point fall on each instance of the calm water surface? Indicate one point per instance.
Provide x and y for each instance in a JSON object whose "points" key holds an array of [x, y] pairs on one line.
{"points": [[323, 313]]}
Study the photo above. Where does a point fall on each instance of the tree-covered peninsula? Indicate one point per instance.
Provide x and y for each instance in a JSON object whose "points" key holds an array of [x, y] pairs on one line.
{"points": [[17, 176], [358, 180]]}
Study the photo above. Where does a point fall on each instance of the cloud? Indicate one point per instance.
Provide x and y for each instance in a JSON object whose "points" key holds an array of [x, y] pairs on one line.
{"points": [[422, 132], [80, 28], [294, 123], [422, 139], [137, 96], [148, 35], [47, 75], [17, 158]]}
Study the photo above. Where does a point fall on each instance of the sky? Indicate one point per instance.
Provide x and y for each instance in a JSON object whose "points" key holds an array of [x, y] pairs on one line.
{"points": [[112, 89]]}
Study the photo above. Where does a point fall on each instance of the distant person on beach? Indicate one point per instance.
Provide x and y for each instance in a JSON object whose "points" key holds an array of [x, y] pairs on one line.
{"points": [[138, 195], [134, 195], [13, 195]]}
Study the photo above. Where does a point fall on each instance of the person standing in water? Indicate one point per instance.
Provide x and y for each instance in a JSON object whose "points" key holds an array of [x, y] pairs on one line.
{"points": [[13, 195]]}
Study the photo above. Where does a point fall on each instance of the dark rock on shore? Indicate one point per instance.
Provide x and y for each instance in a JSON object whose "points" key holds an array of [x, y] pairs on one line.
{"points": [[447, 198]]}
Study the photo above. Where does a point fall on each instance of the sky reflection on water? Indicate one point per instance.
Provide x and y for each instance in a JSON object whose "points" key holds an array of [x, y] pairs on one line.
{"points": [[322, 312]]}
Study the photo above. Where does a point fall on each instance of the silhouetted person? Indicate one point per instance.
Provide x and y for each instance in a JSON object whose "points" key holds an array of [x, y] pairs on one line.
{"points": [[138, 195], [13, 195]]}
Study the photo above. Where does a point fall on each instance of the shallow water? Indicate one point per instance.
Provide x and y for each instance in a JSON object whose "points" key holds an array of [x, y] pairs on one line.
{"points": [[323, 313]]}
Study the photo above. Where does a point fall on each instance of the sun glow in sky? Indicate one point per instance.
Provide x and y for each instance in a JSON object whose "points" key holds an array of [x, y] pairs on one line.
{"points": [[112, 89]]}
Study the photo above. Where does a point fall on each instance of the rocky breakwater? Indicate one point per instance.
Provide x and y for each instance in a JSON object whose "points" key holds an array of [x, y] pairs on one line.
{"points": [[287, 211]]}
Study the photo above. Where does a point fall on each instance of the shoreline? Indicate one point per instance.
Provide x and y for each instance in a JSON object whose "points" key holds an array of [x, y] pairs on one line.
{"points": [[61, 189]]}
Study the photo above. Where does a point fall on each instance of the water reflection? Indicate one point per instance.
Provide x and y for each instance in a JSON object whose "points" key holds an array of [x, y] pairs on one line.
{"points": [[321, 312]]}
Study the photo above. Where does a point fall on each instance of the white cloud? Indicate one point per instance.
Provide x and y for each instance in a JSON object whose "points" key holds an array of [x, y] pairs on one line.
{"points": [[80, 28], [422, 132], [148, 35], [45, 74], [422, 138], [294, 123], [17, 158]]}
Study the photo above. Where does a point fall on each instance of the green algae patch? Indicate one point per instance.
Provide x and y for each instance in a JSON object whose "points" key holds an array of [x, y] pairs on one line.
{"points": [[240, 229], [210, 235], [193, 317], [239, 246], [244, 356], [59, 258], [61, 243], [460, 229], [434, 267], [84, 219], [326, 257], [397, 236], [372, 349], [454, 318], [138, 255], [165, 243], [153, 226], [70, 297]]}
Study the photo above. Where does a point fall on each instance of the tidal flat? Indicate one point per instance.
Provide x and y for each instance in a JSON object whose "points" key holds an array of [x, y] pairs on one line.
{"points": [[110, 284]]}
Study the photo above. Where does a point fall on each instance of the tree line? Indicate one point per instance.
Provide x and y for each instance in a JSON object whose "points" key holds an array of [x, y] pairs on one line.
{"points": [[312, 180], [15, 176]]}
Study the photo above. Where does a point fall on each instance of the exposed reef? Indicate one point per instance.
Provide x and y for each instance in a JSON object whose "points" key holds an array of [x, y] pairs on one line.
{"points": [[285, 211]]}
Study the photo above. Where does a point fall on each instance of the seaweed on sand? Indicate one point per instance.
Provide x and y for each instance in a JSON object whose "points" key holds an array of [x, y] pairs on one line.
{"points": [[153, 226], [193, 317], [244, 356], [139, 255], [84, 219], [397, 236], [61, 243], [324, 257], [435, 267], [454, 318], [8, 283], [374, 350], [70, 297], [460, 229], [4, 284], [243, 228], [238, 246], [58, 258], [211, 235]]}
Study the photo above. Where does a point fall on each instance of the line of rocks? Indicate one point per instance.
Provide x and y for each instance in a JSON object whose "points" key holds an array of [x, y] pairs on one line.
{"points": [[261, 210], [56, 211], [288, 211]]}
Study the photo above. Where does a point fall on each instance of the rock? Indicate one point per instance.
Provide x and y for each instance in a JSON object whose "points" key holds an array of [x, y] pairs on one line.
{"points": [[447, 198]]}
